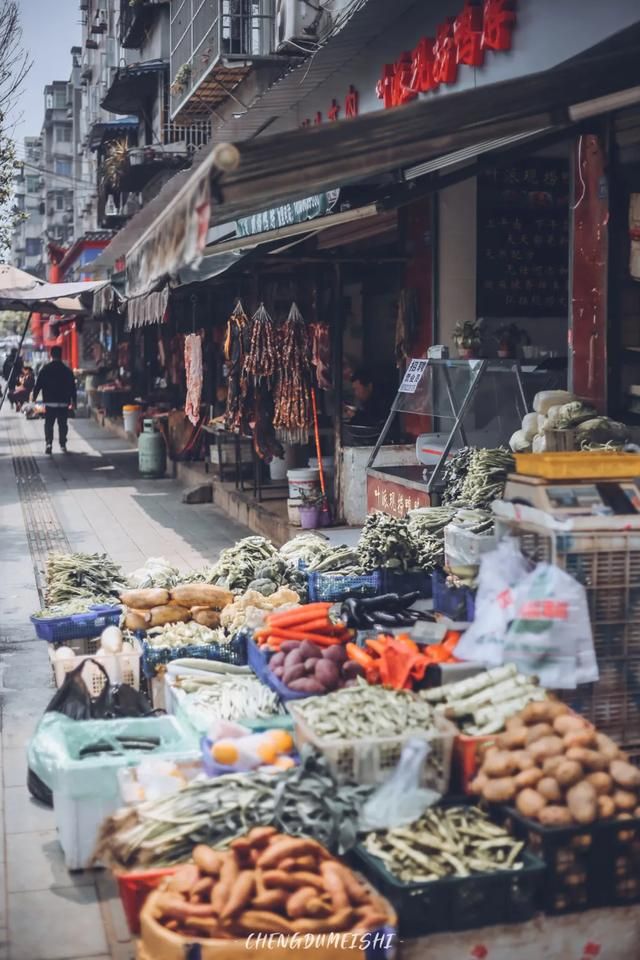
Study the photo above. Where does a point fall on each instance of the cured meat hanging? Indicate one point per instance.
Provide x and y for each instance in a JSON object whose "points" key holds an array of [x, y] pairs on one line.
{"points": [[193, 367], [235, 347], [261, 360], [321, 354], [292, 395]]}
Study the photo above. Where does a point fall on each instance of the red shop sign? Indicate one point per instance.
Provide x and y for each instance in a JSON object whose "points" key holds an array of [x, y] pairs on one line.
{"points": [[351, 109], [481, 25]]}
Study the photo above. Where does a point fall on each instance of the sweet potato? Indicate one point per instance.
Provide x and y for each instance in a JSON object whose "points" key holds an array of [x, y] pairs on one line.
{"points": [[202, 888], [145, 599], [206, 617], [581, 800], [262, 921], [334, 923], [334, 884], [240, 894], [606, 807], [568, 772], [229, 870], [555, 815], [500, 790], [625, 800], [169, 613], [307, 685], [590, 759], [549, 788], [528, 778], [286, 847], [568, 722], [601, 782], [546, 747], [201, 595], [137, 619], [184, 879], [530, 803], [175, 908], [310, 650], [327, 673], [537, 732], [499, 763], [351, 670], [296, 905], [625, 775], [477, 785], [296, 672], [355, 890], [261, 836], [208, 860], [270, 900], [301, 863], [337, 653]]}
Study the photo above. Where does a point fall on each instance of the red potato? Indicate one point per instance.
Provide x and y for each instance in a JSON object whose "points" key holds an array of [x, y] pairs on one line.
{"points": [[288, 645], [309, 649], [307, 685], [295, 672], [277, 660], [294, 657], [351, 670], [337, 653], [327, 674], [310, 665]]}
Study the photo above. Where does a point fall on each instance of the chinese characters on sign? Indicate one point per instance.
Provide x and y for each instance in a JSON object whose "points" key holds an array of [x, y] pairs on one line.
{"points": [[336, 110], [481, 25], [289, 213], [523, 240], [413, 376], [393, 498]]}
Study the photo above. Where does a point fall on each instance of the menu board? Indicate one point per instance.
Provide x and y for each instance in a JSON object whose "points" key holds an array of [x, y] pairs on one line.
{"points": [[523, 239]]}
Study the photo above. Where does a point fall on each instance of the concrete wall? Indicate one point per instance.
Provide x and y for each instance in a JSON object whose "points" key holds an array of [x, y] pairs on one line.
{"points": [[457, 236], [354, 480]]}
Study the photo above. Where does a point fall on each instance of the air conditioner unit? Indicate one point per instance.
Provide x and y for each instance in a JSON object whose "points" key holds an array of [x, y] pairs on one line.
{"points": [[298, 23]]}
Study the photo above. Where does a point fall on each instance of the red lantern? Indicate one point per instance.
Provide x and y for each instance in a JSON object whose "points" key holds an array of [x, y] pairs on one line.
{"points": [[467, 32], [445, 68], [499, 22]]}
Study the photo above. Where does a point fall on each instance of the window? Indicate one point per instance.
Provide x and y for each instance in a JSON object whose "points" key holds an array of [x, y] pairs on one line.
{"points": [[63, 134], [33, 184], [33, 246], [63, 167], [60, 99], [59, 201]]}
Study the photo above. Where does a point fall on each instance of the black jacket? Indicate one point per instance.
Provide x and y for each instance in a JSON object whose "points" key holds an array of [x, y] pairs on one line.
{"points": [[57, 383]]}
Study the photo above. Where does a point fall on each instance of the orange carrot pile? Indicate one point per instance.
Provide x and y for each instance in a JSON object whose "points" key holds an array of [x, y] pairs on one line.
{"points": [[397, 661], [310, 622]]}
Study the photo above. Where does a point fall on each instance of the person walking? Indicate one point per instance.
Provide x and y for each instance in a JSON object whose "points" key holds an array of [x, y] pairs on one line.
{"points": [[58, 386]]}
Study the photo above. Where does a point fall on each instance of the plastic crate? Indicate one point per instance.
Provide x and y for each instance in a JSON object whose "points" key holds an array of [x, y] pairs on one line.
{"points": [[456, 603], [586, 867], [334, 587], [408, 582], [466, 760], [457, 903], [78, 625], [120, 667], [134, 888], [259, 663], [233, 652], [578, 465], [607, 564], [371, 761]]}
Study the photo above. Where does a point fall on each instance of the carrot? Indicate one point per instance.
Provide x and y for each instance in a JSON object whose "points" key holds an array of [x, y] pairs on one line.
{"points": [[321, 639], [354, 652], [299, 615]]}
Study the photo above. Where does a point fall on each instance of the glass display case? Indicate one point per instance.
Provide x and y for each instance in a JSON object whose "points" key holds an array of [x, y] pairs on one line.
{"points": [[448, 404]]}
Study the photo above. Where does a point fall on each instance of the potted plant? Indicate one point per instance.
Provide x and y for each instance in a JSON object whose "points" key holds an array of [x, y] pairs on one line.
{"points": [[182, 79], [467, 337], [312, 511], [509, 337]]}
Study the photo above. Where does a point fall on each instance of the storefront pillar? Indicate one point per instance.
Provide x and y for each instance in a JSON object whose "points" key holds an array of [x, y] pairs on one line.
{"points": [[589, 266], [337, 354]]}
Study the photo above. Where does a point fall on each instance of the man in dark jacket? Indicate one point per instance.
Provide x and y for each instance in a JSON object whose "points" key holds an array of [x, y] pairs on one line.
{"points": [[58, 387]]}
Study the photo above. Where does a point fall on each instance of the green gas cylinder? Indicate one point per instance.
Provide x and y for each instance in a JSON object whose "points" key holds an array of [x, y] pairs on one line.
{"points": [[152, 453]]}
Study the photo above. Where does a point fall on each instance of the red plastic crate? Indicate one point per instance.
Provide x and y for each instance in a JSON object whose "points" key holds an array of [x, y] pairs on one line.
{"points": [[466, 759], [134, 889]]}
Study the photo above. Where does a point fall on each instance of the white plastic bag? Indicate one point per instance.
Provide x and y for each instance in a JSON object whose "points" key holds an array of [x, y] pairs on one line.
{"points": [[500, 571], [401, 799]]}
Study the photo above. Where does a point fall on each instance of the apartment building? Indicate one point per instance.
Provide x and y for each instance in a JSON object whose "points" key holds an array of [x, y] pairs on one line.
{"points": [[27, 246], [58, 162]]}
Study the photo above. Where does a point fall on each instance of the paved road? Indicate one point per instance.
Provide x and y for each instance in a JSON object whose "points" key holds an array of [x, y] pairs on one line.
{"points": [[90, 500]]}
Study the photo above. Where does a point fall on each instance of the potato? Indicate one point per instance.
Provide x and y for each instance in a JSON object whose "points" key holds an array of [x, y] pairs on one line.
{"points": [[625, 800], [590, 759], [513, 739], [546, 747], [601, 782], [514, 722], [607, 747], [478, 784], [581, 800], [568, 722], [579, 738], [542, 711], [528, 778], [549, 788], [499, 763], [555, 815], [551, 764], [145, 599], [537, 732], [500, 790], [556, 708], [625, 775], [529, 803], [524, 759], [606, 807], [636, 812], [568, 772]]}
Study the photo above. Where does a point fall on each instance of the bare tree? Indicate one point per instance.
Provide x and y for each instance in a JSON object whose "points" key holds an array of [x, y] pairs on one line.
{"points": [[15, 64]]}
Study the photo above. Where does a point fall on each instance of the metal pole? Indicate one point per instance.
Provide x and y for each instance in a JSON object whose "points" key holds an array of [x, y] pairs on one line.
{"points": [[24, 333], [437, 470]]}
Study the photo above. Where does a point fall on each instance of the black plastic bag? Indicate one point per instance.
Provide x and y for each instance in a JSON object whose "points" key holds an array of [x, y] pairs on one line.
{"points": [[73, 699], [119, 701]]}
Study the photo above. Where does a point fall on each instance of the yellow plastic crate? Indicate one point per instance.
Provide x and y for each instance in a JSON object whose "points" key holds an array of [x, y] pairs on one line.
{"points": [[579, 465]]}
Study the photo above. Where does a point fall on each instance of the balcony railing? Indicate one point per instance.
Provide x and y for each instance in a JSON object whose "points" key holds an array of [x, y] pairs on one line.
{"points": [[192, 135], [135, 16], [203, 32]]}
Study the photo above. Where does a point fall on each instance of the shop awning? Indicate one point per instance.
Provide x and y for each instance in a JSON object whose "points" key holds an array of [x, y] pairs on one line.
{"points": [[131, 85], [148, 309], [107, 129], [292, 165], [21, 291]]}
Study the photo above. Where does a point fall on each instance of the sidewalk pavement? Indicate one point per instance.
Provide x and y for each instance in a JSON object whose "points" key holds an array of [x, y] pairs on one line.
{"points": [[93, 497]]}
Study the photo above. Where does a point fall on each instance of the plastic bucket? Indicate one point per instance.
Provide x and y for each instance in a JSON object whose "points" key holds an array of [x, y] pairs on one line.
{"points": [[310, 517], [131, 417], [278, 469], [303, 483]]}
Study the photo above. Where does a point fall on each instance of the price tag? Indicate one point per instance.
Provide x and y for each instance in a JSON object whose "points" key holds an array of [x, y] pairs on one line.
{"points": [[413, 376]]}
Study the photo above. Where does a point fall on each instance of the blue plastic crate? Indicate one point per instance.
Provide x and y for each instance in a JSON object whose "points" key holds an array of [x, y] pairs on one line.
{"points": [[334, 587], [233, 652], [457, 603], [259, 663], [78, 625], [407, 582]]}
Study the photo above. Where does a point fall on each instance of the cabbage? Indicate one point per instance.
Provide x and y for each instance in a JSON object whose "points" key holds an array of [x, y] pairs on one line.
{"points": [[519, 442], [549, 398]]}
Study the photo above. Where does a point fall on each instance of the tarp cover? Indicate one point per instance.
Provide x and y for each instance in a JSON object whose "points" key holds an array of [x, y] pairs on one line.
{"points": [[21, 291]]}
